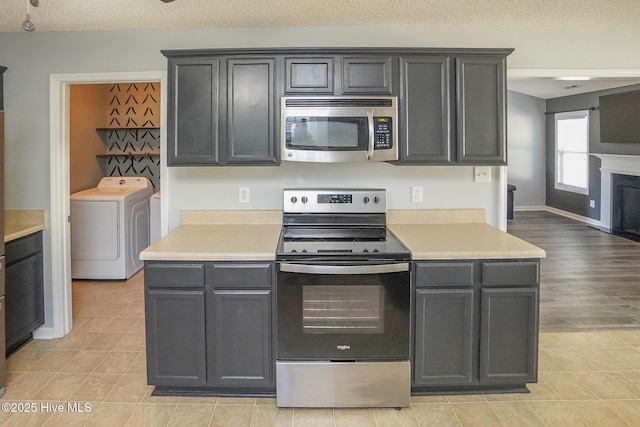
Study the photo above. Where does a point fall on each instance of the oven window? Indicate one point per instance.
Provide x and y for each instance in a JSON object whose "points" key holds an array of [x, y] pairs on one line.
{"points": [[332, 309], [336, 133]]}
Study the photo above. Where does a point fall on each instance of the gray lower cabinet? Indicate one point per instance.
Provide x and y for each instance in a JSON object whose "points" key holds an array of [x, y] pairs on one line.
{"points": [[175, 324], [24, 290], [209, 326], [239, 324], [476, 324]]}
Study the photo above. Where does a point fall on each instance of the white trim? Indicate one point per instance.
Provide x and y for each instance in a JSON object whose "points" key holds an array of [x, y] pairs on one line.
{"points": [[45, 333], [60, 202], [613, 164], [571, 215], [529, 208], [524, 73], [502, 198]]}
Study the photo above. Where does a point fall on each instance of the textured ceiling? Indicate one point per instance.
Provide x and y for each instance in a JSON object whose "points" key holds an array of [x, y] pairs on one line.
{"points": [[91, 15]]}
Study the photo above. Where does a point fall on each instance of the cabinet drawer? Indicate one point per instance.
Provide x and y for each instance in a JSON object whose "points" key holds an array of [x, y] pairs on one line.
{"points": [[511, 273], [174, 275], [240, 275], [23, 247], [458, 274]]}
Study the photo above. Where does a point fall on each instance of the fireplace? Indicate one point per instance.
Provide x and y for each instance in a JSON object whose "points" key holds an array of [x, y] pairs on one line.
{"points": [[620, 194], [625, 205]]}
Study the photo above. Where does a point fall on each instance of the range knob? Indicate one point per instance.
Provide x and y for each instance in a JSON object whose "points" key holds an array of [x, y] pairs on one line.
{"points": [[294, 199], [376, 199], [304, 199], [365, 199]]}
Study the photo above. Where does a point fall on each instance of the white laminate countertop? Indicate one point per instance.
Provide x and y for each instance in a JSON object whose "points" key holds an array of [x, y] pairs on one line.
{"points": [[21, 223], [253, 235], [220, 236], [462, 241]]}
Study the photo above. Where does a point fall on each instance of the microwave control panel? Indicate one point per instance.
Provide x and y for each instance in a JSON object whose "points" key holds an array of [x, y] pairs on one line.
{"points": [[382, 131]]}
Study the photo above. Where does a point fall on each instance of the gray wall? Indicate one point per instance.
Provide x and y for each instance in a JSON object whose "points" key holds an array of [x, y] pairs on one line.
{"points": [[573, 202], [526, 147]]}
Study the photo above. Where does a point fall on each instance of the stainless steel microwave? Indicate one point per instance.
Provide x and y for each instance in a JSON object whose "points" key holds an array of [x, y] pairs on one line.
{"points": [[339, 128]]}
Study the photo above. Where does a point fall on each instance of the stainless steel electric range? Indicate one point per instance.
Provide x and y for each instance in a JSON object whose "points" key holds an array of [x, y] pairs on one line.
{"points": [[343, 297]]}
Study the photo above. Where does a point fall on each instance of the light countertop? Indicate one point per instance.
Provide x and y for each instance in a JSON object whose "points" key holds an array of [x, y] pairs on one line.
{"points": [[21, 223], [253, 235], [462, 241], [220, 236]]}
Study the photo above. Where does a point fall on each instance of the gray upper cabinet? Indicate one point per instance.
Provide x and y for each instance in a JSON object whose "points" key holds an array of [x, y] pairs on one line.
{"points": [[194, 107], [224, 105], [309, 75], [367, 75], [222, 110], [340, 75], [425, 109], [481, 110], [252, 115]]}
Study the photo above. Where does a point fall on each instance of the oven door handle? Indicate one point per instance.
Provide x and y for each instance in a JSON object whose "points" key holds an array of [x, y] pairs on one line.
{"points": [[344, 269]]}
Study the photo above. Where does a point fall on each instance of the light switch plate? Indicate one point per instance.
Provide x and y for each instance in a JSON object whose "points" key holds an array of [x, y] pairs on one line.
{"points": [[482, 174]]}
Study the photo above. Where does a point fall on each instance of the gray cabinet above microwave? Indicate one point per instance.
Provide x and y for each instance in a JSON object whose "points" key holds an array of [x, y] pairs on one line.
{"points": [[224, 104]]}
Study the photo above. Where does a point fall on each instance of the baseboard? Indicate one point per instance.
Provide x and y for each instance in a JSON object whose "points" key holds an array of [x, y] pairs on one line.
{"points": [[528, 208], [45, 333], [571, 215]]}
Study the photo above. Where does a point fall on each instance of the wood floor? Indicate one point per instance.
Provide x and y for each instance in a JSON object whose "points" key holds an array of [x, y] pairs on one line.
{"points": [[590, 280]]}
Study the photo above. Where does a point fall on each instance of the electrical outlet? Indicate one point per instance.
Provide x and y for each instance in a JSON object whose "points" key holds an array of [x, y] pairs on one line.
{"points": [[482, 174], [592, 203], [416, 194], [243, 194]]}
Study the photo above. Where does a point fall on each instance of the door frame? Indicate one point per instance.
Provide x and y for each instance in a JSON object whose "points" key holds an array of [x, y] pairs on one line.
{"points": [[61, 322]]}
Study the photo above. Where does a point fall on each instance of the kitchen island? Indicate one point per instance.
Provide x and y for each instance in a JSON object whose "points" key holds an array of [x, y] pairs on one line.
{"points": [[210, 304]]}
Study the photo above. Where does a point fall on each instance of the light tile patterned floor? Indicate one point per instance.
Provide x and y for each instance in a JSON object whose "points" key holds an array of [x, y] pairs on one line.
{"points": [[586, 378]]}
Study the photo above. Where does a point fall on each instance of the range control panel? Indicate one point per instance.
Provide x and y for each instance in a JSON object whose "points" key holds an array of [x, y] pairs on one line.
{"points": [[305, 200]]}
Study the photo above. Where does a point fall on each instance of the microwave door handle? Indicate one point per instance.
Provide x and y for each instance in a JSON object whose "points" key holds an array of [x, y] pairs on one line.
{"points": [[370, 147]]}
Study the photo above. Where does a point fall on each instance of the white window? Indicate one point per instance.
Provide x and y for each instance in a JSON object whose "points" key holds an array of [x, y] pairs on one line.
{"points": [[572, 151]]}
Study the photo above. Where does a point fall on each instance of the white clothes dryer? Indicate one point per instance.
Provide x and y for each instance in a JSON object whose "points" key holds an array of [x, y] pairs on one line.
{"points": [[109, 228]]}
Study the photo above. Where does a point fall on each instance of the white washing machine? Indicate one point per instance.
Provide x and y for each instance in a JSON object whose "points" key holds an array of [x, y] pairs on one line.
{"points": [[109, 228]]}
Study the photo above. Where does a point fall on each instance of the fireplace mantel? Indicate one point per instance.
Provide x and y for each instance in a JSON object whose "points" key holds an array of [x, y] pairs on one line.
{"points": [[613, 164]]}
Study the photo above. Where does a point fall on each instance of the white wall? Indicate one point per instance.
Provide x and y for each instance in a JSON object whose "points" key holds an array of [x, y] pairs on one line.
{"points": [[526, 148], [32, 57]]}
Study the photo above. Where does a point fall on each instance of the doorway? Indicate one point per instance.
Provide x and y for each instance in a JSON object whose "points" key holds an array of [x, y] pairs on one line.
{"points": [[61, 321]]}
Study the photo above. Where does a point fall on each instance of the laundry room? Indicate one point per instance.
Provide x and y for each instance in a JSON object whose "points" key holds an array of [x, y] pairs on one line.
{"points": [[114, 176]]}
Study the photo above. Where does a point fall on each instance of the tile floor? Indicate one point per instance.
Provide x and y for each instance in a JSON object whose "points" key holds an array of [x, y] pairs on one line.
{"points": [[585, 378]]}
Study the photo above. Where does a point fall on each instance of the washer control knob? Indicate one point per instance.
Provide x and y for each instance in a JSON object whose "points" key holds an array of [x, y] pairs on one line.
{"points": [[304, 199], [365, 199], [294, 199]]}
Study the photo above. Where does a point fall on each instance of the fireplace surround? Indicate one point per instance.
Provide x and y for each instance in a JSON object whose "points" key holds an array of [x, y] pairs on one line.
{"points": [[620, 193]]}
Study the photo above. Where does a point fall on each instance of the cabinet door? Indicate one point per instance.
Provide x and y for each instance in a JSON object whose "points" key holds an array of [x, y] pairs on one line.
{"points": [[481, 113], [175, 327], [251, 115], [194, 104], [240, 352], [24, 300], [425, 100], [508, 335], [370, 75], [444, 337], [309, 75]]}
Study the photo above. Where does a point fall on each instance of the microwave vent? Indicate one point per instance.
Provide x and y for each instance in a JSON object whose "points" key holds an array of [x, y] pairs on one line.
{"points": [[339, 102]]}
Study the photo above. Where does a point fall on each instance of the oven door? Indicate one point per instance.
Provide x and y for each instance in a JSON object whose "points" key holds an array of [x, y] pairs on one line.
{"points": [[338, 312]]}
